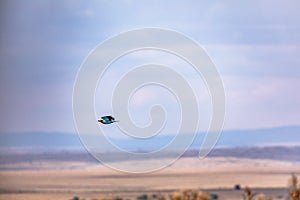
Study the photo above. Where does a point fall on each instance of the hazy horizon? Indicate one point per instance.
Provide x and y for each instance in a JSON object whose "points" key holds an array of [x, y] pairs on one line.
{"points": [[53, 141]]}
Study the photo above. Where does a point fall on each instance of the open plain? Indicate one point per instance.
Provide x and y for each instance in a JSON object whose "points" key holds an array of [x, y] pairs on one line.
{"points": [[63, 180]]}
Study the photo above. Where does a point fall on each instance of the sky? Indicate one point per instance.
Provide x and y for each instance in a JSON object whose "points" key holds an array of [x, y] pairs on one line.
{"points": [[254, 44]]}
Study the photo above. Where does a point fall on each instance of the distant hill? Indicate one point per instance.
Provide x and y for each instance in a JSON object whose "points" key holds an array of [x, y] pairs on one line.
{"points": [[289, 135], [291, 154], [271, 152], [44, 142]]}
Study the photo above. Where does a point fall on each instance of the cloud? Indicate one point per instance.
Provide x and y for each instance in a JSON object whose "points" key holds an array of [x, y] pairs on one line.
{"points": [[278, 60], [263, 101]]}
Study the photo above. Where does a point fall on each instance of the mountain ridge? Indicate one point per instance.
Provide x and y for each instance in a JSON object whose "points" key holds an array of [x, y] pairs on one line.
{"points": [[279, 136]]}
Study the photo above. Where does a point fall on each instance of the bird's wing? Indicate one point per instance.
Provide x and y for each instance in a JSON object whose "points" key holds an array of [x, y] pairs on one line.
{"points": [[111, 118], [108, 118]]}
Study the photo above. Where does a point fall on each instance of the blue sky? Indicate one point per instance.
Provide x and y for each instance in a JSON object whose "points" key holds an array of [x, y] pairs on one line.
{"points": [[254, 44]]}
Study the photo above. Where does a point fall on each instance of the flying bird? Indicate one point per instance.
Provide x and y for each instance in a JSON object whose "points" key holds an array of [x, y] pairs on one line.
{"points": [[107, 120]]}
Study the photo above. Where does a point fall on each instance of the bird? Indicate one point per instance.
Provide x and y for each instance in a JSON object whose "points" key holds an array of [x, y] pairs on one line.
{"points": [[107, 120]]}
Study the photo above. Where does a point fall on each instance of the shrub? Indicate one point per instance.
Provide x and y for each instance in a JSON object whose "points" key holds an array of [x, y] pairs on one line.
{"points": [[190, 195], [295, 195]]}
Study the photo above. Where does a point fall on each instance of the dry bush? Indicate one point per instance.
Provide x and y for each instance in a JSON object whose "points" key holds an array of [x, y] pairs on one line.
{"points": [[293, 186], [295, 195], [249, 195], [247, 192], [190, 195], [293, 182], [203, 196]]}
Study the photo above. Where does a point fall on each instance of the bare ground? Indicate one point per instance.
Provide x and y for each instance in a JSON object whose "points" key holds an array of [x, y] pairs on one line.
{"points": [[64, 180]]}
